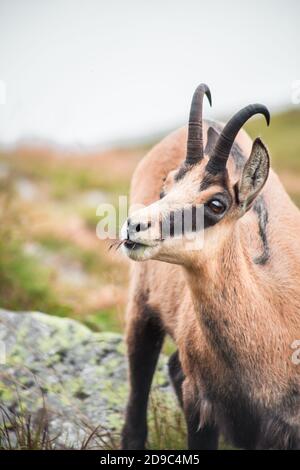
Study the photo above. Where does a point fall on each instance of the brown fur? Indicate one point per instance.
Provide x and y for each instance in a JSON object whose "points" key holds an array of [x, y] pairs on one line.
{"points": [[232, 320]]}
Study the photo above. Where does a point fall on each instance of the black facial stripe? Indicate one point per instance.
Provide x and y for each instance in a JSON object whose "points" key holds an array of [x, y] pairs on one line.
{"points": [[182, 172], [213, 180], [172, 223], [193, 218], [189, 219], [263, 219], [211, 219]]}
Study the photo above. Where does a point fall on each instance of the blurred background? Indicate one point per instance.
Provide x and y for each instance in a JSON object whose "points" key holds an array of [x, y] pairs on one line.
{"points": [[86, 88]]}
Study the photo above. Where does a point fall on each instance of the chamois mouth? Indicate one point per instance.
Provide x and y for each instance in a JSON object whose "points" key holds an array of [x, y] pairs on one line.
{"points": [[139, 251], [131, 245]]}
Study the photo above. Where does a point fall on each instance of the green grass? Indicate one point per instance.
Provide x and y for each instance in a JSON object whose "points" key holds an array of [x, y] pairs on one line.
{"points": [[90, 217], [282, 138], [25, 284], [68, 181], [167, 429], [64, 178], [166, 424], [104, 320], [25, 431], [295, 196], [22, 430], [92, 261]]}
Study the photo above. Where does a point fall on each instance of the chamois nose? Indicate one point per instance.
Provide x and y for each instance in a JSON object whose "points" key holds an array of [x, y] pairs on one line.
{"points": [[133, 227]]}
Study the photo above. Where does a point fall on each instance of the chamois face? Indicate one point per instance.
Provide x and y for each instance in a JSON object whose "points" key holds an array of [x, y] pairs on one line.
{"points": [[197, 210], [203, 199]]}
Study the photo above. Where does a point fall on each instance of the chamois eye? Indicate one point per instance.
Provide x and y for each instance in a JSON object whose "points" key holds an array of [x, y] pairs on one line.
{"points": [[216, 206]]}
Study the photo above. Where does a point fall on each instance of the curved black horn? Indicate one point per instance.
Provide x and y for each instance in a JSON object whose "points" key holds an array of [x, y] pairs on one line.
{"points": [[220, 154], [195, 137]]}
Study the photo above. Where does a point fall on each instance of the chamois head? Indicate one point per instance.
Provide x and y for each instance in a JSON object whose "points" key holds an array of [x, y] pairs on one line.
{"points": [[204, 197]]}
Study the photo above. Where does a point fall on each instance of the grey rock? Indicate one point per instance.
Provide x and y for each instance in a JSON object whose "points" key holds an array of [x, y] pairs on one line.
{"points": [[78, 376]]}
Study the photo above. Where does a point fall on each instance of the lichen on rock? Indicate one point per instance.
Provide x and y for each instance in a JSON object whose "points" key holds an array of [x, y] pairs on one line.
{"points": [[79, 376]]}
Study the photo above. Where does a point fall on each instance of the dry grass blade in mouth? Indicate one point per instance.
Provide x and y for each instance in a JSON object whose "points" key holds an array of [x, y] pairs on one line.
{"points": [[116, 244]]}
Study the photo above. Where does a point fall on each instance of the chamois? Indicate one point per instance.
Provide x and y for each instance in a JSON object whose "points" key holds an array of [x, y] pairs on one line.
{"points": [[232, 306]]}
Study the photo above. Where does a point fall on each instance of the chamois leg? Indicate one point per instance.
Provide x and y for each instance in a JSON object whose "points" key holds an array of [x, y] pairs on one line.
{"points": [[176, 376], [205, 438], [145, 338]]}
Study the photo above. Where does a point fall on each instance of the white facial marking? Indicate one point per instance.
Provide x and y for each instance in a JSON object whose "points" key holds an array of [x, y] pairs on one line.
{"points": [[123, 233]]}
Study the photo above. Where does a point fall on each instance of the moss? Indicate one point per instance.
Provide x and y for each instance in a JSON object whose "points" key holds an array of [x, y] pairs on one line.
{"points": [[80, 331], [6, 394], [169, 347]]}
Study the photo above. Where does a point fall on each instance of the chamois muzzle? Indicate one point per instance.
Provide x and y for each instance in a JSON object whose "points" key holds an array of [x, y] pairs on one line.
{"points": [[133, 228]]}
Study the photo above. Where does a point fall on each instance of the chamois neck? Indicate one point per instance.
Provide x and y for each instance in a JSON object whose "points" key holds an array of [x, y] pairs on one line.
{"points": [[221, 259], [218, 274], [234, 305]]}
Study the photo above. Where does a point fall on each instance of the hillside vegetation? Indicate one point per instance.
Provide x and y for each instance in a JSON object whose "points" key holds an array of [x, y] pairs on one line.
{"points": [[50, 257]]}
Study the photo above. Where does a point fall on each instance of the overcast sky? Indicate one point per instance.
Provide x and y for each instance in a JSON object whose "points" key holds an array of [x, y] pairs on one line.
{"points": [[93, 71]]}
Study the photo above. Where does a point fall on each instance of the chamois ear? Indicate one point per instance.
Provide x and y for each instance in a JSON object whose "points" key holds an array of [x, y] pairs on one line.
{"points": [[212, 137], [255, 174]]}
